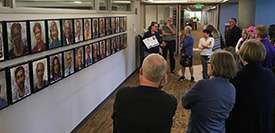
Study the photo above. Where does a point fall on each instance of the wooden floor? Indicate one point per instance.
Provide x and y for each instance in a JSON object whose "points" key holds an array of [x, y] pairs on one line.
{"points": [[101, 122]]}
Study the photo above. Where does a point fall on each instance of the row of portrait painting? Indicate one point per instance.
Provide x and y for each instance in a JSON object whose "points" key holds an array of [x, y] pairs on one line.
{"points": [[19, 81], [19, 38]]}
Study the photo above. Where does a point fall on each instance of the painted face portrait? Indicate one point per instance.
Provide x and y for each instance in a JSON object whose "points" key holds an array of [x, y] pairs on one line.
{"points": [[3, 90], [67, 32], [102, 49], [102, 26], [55, 68], [113, 25], [40, 74], [68, 63], [121, 28], [79, 59], [78, 30], [54, 34], [125, 23], [17, 35], [95, 28], [1, 43], [117, 25], [38, 36], [108, 26], [88, 55], [108, 47], [87, 29], [20, 82], [96, 52]]}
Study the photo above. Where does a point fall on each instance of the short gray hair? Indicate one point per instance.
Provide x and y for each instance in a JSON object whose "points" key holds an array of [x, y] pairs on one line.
{"points": [[154, 67]]}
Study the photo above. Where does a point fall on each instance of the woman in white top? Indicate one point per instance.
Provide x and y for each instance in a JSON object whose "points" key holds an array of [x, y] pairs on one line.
{"points": [[206, 44], [241, 40]]}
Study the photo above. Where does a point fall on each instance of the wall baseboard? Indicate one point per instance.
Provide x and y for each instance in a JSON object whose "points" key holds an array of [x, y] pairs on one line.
{"points": [[76, 129]]}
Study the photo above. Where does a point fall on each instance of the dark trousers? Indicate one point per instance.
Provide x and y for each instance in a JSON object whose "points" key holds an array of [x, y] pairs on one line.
{"points": [[171, 47], [204, 62]]}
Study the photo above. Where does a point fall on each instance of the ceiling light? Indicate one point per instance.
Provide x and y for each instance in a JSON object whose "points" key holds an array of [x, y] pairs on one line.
{"points": [[78, 2]]}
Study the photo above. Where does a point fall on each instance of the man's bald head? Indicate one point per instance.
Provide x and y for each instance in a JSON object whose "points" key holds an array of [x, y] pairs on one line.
{"points": [[154, 68]]}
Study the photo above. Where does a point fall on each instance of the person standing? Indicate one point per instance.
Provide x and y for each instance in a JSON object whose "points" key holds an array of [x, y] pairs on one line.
{"points": [[233, 34], [187, 52], [153, 32], [211, 100], [169, 38], [217, 37], [146, 108], [206, 44], [254, 85]]}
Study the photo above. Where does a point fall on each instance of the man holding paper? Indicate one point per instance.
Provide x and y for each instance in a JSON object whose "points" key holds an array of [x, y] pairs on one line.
{"points": [[152, 39]]}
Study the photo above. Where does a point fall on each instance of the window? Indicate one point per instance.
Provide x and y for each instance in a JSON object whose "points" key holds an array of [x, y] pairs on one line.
{"points": [[121, 5], [65, 4]]}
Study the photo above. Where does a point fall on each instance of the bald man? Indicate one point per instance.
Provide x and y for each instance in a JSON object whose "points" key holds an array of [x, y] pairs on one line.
{"points": [[146, 108]]}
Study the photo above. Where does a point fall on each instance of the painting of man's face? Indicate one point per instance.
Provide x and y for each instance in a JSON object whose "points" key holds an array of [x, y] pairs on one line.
{"points": [[68, 63], [17, 39], [67, 32], [87, 29], [3, 90]]}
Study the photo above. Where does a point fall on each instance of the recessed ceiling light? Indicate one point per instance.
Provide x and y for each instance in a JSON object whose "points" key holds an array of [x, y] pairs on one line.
{"points": [[78, 2]]}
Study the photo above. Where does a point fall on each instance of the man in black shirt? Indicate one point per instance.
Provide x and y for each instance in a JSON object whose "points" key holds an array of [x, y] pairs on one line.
{"points": [[233, 34], [146, 108]]}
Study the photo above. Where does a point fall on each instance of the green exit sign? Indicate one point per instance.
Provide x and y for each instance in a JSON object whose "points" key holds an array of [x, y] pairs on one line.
{"points": [[198, 6]]}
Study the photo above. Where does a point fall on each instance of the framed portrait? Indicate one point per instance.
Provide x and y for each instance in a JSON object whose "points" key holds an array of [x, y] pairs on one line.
{"points": [[67, 28], [102, 27], [96, 52], [54, 34], [2, 54], [125, 23], [95, 28], [113, 45], [88, 55], [3, 90], [113, 25], [121, 26], [68, 62], [87, 29], [108, 26], [20, 82], [38, 36], [17, 39], [124, 41], [118, 43], [55, 68], [78, 28], [39, 74], [102, 49], [117, 25], [108, 47], [79, 58]]}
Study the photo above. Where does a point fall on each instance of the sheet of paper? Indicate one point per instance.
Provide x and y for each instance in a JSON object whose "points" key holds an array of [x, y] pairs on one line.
{"points": [[151, 42]]}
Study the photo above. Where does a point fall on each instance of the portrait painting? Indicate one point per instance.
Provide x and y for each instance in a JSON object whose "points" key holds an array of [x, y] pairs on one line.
{"points": [[118, 43], [20, 82], [3, 90], [79, 58], [40, 74], [95, 28], [113, 45], [55, 68], [102, 49], [67, 25], [78, 28], [121, 26], [113, 25], [102, 27], [124, 36], [125, 23], [68, 62], [38, 36], [96, 52], [1, 43], [87, 29], [88, 55], [54, 34], [108, 26], [108, 47], [17, 39], [117, 25]]}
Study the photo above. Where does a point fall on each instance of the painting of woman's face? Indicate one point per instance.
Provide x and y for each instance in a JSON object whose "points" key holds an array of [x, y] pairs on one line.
{"points": [[55, 67]]}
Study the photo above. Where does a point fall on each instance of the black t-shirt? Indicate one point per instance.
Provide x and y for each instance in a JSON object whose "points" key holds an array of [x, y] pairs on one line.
{"points": [[143, 110], [232, 36]]}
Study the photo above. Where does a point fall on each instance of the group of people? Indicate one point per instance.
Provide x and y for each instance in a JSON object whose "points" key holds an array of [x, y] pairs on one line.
{"points": [[235, 96]]}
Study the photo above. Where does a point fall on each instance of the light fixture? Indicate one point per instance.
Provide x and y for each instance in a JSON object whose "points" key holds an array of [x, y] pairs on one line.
{"points": [[78, 2], [122, 1]]}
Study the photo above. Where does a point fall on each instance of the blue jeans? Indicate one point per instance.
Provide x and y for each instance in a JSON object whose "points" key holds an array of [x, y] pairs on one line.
{"points": [[204, 62]]}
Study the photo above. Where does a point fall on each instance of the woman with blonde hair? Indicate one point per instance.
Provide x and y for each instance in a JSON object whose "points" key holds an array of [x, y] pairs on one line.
{"points": [[254, 85], [211, 100]]}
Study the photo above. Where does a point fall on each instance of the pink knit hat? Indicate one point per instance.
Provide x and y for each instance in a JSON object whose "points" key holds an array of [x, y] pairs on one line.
{"points": [[251, 29]]}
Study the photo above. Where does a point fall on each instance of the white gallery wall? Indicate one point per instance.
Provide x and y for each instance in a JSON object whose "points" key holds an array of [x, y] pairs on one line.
{"points": [[60, 107]]}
